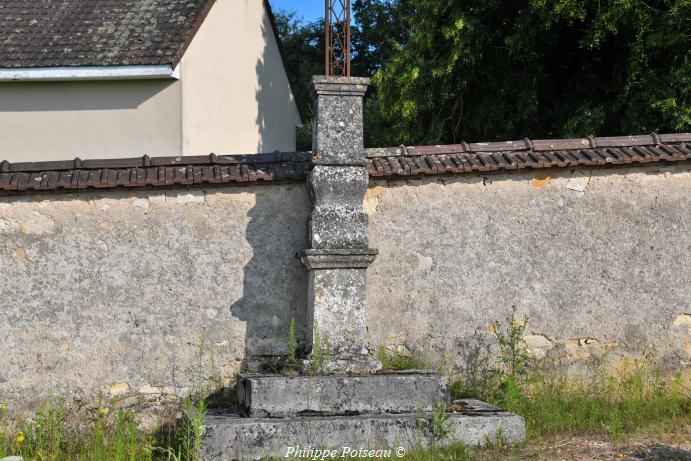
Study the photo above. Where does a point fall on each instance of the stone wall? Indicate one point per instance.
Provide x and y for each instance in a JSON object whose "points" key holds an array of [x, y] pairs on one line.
{"points": [[600, 262], [120, 292]]}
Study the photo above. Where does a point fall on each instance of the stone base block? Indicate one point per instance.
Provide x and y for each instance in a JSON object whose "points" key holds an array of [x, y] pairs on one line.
{"points": [[352, 365], [231, 437], [280, 396]]}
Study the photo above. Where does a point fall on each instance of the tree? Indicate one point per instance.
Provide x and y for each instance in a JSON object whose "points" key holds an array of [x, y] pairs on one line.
{"points": [[452, 70], [506, 69]]}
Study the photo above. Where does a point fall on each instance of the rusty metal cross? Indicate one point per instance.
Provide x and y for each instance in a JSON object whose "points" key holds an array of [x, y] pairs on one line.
{"points": [[337, 22]]}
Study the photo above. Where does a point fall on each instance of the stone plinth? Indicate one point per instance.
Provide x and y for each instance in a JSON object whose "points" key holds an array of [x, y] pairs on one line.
{"points": [[283, 396], [231, 437]]}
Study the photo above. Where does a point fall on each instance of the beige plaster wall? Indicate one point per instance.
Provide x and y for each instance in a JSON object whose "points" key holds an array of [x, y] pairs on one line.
{"points": [[236, 96], [42, 121], [233, 97]]}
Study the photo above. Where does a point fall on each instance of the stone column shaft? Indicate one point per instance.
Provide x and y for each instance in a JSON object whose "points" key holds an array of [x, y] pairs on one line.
{"points": [[339, 252]]}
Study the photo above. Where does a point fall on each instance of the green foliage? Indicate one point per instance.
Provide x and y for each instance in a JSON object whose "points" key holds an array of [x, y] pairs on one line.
{"points": [[455, 452], [320, 351], [498, 69], [391, 361], [440, 422], [640, 400], [637, 399], [446, 70], [512, 351], [191, 431], [106, 436], [49, 437], [292, 361]]}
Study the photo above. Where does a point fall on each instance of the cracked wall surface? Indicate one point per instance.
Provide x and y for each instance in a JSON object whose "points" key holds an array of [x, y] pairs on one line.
{"points": [[120, 293], [600, 262]]}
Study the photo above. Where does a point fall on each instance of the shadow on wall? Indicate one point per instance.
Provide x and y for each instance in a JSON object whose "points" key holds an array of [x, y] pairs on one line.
{"points": [[265, 83], [77, 96], [274, 284]]}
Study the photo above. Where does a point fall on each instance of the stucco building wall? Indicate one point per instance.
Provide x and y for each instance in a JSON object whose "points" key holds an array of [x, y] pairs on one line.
{"points": [[41, 121], [233, 96], [236, 95]]}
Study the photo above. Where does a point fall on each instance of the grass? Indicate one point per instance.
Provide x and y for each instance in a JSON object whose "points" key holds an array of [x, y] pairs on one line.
{"points": [[391, 361], [637, 399], [105, 436]]}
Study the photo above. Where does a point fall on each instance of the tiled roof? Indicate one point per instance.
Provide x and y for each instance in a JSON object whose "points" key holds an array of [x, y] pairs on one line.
{"points": [[405, 161], [387, 163], [157, 172], [51, 33]]}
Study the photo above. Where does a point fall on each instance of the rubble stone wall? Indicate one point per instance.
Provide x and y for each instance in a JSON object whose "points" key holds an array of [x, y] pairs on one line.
{"points": [[599, 261], [145, 293]]}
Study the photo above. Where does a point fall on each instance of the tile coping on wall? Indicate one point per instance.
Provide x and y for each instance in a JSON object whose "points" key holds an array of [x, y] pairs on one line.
{"points": [[388, 162]]}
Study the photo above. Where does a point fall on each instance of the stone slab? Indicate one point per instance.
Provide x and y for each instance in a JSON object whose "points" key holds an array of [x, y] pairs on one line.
{"points": [[231, 437], [280, 396]]}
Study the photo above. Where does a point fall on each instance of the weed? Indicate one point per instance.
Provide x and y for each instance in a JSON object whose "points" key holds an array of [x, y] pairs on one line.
{"points": [[316, 364], [106, 436], [441, 423], [192, 431], [513, 353], [637, 399], [292, 361], [320, 351], [392, 361]]}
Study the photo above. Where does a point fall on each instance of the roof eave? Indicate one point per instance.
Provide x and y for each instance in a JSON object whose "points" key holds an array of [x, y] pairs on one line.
{"points": [[56, 74]]}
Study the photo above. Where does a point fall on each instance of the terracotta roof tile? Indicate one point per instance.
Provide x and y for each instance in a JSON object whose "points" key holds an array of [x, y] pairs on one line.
{"points": [[388, 163], [405, 161]]}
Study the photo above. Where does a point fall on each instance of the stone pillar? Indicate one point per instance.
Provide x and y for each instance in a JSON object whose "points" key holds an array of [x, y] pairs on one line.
{"points": [[339, 253]]}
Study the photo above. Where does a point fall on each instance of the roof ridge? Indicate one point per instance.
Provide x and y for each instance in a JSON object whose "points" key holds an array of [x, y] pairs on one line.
{"points": [[537, 145], [147, 161]]}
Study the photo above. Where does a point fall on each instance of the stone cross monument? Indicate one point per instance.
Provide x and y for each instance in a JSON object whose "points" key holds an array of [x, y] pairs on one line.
{"points": [[339, 252]]}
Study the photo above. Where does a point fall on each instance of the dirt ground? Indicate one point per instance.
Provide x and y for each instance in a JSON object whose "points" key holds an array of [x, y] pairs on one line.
{"points": [[651, 447]]}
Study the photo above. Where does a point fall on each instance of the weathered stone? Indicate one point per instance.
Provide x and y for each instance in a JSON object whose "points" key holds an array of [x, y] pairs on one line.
{"points": [[683, 323], [538, 345], [338, 138], [577, 266], [338, 225], [189, 197], [118, 389], [339, 258], [579, 181], [141, 203], [37, 224], [279, 396], [336, 308], [230, 437]]}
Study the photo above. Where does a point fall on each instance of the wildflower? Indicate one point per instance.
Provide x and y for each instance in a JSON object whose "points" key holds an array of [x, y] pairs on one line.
{"points": [[20, 438], [3, 406], [104, 411]]}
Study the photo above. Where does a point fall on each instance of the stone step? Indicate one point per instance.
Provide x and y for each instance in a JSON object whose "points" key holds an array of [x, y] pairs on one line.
{"points": [[280, 396], [232, 437]]}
